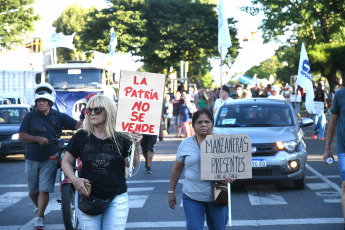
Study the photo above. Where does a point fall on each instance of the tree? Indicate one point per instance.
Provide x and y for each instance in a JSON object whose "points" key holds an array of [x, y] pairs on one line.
{"points": [[315, 22], [71, 20], [16, 18], [160, 32]]}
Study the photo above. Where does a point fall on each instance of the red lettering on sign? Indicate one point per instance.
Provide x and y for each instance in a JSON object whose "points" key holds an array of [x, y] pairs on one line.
{"points": [[141, 128]]}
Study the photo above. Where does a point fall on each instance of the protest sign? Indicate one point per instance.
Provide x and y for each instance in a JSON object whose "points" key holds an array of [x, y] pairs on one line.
{"points": [[224, 156], [140, 102], [294, 99], [319, 107]]}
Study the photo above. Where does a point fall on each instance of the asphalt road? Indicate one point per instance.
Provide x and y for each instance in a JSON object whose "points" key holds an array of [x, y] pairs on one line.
{"points": [[262, 206]]}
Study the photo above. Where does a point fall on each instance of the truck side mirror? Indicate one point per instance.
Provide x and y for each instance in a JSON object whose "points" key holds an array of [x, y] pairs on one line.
{"points": [[38, 78]]}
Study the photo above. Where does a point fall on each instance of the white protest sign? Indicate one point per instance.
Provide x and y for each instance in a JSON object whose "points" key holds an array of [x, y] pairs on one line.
{"points": [[318, 107], [293, 98], [140, 102], [224, 156]]}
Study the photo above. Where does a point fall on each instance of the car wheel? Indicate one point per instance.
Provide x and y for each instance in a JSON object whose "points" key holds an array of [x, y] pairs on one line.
{"points": [[299, 184]]}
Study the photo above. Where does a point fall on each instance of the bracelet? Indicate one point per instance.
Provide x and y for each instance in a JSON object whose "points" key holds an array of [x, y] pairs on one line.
{"points": [[171, 191]]}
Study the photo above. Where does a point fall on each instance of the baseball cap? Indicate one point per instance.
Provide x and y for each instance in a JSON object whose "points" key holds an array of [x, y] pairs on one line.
{"points": [[275, 88]]}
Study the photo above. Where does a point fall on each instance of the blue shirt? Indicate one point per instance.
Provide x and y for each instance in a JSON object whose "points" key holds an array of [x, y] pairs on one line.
{"points": [[184, 111], [338, 108], [30, 124]]}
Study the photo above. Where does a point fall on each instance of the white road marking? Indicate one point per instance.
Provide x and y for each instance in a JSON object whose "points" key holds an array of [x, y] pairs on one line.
{"points": [[318, 186], [264, 195], [136, 201], [52, 205], [10, 198], [182, 224], [322, 177], [329, 196]]}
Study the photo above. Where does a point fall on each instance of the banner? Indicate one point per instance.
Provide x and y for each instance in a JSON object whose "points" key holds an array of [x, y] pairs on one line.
{"points": [[140, 102], [59, 40], [304, 79], [224, 40], [319, 107], [112, 43], [224, 156]]}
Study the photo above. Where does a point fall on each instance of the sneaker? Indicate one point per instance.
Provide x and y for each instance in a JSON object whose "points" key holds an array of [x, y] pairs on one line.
{"points": [[314, 136], [148, 170], [39, 223], [321, 139]]}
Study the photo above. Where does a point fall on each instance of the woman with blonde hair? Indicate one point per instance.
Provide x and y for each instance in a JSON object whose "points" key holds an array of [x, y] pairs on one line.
{"points": [[104, 154]]}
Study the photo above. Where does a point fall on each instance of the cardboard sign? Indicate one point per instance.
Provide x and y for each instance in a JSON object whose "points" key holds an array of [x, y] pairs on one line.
{"points": [[140, 102], [319, 107], [225, 156], [293, 98]]}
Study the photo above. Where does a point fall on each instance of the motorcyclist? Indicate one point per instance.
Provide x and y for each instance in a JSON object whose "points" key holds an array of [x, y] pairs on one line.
{"points": [[37, 128]]}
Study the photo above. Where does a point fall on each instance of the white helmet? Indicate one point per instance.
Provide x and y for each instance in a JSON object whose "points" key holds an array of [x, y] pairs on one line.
{"points": [[45, 91]]}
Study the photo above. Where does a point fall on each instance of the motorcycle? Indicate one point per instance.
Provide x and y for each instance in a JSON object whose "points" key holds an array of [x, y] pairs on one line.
{"points": [[67, 189]]}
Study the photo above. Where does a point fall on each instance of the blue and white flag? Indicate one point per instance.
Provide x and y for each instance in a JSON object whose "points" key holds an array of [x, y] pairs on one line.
{"points": [[112, 43], [304, 79], [59, 40], [224, 40]]}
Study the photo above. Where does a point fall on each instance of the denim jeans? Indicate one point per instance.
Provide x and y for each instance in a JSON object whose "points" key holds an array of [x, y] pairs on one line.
{"points": [[114, 217], [319, 124], [216, 216]]}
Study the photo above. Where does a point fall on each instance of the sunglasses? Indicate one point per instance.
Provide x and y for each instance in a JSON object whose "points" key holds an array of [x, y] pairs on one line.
{"points": [[97, 110]]}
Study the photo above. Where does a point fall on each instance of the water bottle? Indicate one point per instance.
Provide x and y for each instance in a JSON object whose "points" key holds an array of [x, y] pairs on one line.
{"points": [[329, 160]]}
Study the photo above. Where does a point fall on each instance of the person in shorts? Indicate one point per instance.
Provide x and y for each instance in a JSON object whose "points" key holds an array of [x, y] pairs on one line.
{"points": [[37, 129], [148, 147], [337, 123]]}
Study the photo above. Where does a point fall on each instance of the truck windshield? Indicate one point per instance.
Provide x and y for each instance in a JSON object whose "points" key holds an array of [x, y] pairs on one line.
{"points": [[75, 78]]}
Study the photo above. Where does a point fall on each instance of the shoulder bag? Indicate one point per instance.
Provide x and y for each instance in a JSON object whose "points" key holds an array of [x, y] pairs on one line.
{"points": [[220, 193], [93, 205]]}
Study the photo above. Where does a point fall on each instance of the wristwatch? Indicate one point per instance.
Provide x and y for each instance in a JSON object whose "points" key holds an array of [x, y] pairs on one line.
{"points": [[171, 191]]}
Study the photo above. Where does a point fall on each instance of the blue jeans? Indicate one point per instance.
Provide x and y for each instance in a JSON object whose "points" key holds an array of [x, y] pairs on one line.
{"points": [[319, 124], [114, 217], [216, 216]]}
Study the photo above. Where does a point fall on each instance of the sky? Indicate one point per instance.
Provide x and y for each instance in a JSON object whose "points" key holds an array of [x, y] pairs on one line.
{"points": [[252, 53]]}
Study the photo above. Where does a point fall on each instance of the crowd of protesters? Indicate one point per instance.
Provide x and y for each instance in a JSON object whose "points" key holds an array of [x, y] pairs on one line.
{"points": [[178, 107]]}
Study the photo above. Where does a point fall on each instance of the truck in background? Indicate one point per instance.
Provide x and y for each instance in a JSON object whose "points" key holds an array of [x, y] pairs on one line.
{"points": [[22, 81], [15, 97], [73, 81]]}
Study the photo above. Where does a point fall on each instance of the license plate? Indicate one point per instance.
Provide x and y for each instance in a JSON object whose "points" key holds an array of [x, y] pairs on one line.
{"points": [[258, 163]]}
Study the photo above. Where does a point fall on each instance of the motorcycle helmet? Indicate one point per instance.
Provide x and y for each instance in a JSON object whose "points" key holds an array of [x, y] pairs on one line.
{"points": [[45, 91]]}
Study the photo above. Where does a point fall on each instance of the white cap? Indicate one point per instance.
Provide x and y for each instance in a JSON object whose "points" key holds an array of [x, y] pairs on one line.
{"points": [[275, 88]]}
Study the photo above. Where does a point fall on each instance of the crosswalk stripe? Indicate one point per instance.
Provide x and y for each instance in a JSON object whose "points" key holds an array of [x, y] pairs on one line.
{"points": [[264, 195], [182, 224], [10, 198], [322, 177], [318, 186]]}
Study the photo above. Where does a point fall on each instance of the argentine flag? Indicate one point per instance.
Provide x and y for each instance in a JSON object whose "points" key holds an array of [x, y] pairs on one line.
{"points": [[304, 79], [112, 43]]}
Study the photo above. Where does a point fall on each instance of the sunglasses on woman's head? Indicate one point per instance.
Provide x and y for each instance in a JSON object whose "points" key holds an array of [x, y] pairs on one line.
{"points": [[97, 110]]}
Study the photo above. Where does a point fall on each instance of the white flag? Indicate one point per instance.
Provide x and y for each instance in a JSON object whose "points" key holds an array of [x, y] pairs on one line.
{"points": [[112, 43], [224, 41], [304, 79], [59, 40]]}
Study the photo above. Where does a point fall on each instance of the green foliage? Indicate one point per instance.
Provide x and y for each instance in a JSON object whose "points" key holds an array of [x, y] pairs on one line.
{"points": [[268, 67], [73, 19], [319, 24], [160, 33], [15, 20]]}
